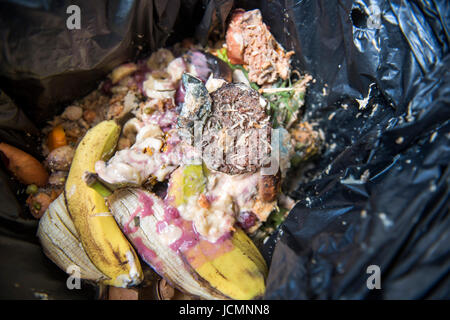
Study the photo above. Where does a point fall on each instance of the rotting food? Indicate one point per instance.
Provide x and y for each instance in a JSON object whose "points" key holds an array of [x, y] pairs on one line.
{"points": [[165, 165]]}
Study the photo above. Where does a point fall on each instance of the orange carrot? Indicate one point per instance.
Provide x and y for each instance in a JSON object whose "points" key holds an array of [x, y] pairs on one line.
{"points": [[203, 201], [25, 167], [38, 204], [56, 138]]}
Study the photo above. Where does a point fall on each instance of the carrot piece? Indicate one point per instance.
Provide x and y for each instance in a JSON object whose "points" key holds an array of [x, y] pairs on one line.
{"points": [[203, 201], [25, 167], [38, 204], [56, 138]]}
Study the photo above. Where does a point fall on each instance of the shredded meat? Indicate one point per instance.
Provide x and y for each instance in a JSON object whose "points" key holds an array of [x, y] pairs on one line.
{"points": [[250, 42]]}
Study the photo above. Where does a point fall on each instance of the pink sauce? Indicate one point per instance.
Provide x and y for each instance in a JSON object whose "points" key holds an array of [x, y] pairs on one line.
{"points": [[171, 213], [141, 212], [147, 204], [223, 238], [126, 227], [160, 226], [179, 95], [211, 198], [140, 75], [188, 239], [147, 254], [246, 219], [189, 236], [172, 141], [165, 120]]}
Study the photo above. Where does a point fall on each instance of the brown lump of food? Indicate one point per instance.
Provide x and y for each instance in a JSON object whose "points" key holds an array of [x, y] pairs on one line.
{"points": [[307, 141], [268, 187], [60, 158], [239, 130], [115, 293]]}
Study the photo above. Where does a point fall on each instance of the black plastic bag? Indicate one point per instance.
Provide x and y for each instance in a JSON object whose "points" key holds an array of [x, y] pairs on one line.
{"points": [[380, 193], [377, 196]]}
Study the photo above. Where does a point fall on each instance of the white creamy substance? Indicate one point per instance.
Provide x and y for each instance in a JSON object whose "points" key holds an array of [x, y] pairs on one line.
{"points": [[143, 160], [213, 222], [169, 233], [228, 195], [242, 188]]}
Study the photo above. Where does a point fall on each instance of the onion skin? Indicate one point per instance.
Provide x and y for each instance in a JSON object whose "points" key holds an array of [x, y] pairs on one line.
{"points": [[219, 68]]}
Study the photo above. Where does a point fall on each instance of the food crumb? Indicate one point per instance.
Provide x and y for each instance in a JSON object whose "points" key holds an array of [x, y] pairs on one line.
{"points": [[433, 137], [386, 221], [41, 295], [363, 214], [333, 147], [363, 102], [399, 140], [432, 187], [365, 176], [375, 108]]}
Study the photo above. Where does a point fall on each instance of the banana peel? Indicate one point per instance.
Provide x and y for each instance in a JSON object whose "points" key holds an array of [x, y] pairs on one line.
{"points": [[99, 233], [140, 214], [230, 268], [234, 267], [186, 182], [61, 242]]}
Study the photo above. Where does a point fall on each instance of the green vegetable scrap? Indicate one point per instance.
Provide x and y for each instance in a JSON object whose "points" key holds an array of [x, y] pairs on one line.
{"points": [[276, 217], [285, 100]]}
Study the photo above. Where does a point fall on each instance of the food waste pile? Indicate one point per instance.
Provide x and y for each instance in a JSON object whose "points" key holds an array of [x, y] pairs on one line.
{"points": [[164, 181]]}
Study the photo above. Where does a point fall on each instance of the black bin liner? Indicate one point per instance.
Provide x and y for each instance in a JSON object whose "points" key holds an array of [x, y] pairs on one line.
{"points": [[379, 193]]}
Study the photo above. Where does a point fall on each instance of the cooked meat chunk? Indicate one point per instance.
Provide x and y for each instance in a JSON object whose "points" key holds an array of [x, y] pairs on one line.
{"points": [[250, 42], [268, 187]]}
